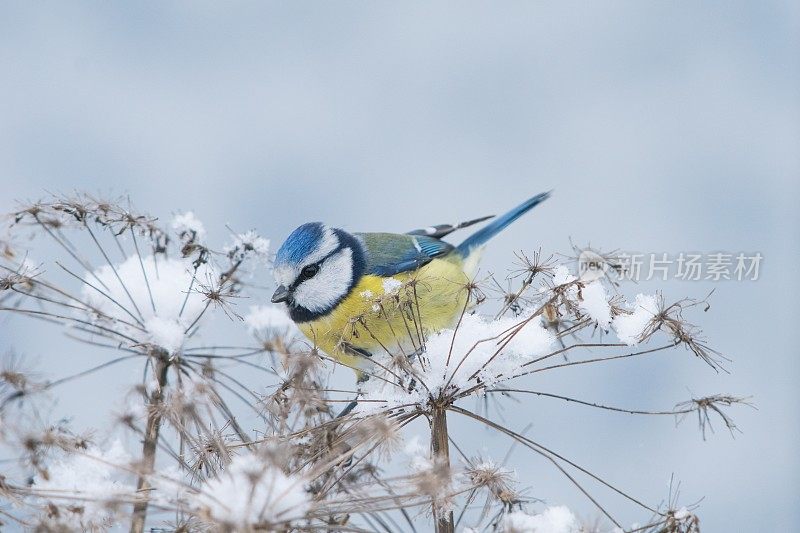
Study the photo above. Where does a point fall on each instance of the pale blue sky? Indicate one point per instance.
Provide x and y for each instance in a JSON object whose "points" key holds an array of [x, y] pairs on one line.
{"points": [[662, 126]]}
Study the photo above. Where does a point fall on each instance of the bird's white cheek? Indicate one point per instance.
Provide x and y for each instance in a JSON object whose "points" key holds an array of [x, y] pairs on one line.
{"points": [[329, 285]]}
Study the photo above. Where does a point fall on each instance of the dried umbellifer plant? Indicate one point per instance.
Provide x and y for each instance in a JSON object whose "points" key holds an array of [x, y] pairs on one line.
{"points": [[246, 435]]}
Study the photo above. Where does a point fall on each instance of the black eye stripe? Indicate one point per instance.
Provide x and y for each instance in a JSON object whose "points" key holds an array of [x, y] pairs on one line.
{"points": [[343, 243], [309, 271]]}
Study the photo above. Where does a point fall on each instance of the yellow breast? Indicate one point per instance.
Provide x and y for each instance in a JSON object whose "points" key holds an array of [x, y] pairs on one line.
{"points": [[383, 315]]}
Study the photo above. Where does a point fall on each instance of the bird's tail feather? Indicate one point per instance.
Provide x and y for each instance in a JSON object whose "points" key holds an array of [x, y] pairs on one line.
{"points": [[480, 237]]}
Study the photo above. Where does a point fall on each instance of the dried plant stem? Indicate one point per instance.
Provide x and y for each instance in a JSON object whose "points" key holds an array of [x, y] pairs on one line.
{"points": [[440, 444], [150, 443]]}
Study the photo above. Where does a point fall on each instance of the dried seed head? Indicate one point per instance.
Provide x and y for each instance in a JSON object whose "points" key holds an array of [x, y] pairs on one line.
{"points": [[434, 480], [380, 429], [496, 479], [532, 266]]}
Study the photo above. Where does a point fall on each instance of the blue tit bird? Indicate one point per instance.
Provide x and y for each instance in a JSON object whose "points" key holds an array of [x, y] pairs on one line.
{"points": [[357, 295]]}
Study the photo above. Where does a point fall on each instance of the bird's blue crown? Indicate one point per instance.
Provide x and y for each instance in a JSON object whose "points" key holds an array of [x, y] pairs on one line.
{"points": [[300, 244]]}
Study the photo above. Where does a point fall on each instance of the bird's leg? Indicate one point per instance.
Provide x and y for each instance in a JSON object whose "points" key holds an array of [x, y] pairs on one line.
{"points": [[362, 378], [412, 384], [349, 407], [417, 353]]}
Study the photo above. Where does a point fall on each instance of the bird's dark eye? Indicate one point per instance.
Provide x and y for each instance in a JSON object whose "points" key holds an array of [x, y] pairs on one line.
{"points": [[309, 272]]}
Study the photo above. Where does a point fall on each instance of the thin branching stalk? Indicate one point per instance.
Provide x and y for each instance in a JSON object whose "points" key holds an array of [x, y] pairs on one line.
{"points": [[440, 446], [150, 442]]}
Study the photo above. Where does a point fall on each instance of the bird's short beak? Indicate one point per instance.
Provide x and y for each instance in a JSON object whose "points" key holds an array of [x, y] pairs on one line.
{"points": [[281, 295]]}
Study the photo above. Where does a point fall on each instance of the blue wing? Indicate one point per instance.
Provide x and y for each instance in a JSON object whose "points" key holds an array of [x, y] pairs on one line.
{"points": [[391, 253]]}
